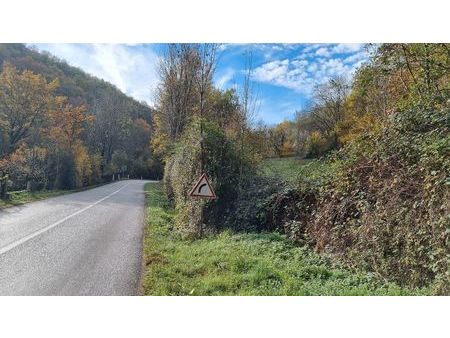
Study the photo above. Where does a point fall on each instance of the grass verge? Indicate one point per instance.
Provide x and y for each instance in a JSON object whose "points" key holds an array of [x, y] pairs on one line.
{"points": [[240, 264], [24, 197]]}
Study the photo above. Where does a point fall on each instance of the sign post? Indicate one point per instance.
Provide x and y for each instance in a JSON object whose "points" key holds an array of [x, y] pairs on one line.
{"points": [[202, 189]]}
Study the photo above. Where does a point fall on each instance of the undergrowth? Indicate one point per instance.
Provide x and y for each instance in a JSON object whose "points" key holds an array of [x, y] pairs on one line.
{"points": [[241, 264]]}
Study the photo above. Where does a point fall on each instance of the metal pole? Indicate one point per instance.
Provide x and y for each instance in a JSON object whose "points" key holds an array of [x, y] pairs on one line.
{"points": [[200, 232]]}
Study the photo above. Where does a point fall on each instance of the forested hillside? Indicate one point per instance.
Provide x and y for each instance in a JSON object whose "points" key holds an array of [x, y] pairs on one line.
{"points": [[62, 128]]}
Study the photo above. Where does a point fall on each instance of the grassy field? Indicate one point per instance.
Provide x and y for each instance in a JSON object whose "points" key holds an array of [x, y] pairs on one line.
{"points": [[287, 168], [240, 264], [292, 169]]}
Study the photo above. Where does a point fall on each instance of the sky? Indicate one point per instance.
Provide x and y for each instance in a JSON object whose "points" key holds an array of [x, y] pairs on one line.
{"points": [[284, 75]]}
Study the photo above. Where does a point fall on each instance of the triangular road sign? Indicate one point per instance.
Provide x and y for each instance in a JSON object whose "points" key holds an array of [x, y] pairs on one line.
{"points": [[202, 188]]}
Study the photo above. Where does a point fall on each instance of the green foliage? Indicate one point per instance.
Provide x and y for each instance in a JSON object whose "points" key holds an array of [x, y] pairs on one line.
{"points": [[241, 264], [221, 162], [250, 211], [386, 210], [317, 144], [380, 204]]}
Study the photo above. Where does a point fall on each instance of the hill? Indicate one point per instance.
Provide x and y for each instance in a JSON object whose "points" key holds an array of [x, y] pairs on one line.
{"points": [[74, 83], [85, 132]]}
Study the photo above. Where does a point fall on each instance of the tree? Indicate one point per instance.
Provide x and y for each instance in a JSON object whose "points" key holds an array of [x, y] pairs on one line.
{"points": [[303, 127], [25, 98], [111, 127], [420, 72], [281, 139], [176, 98], [329, 103], [47, 137], [248, 107], [67, 124], [206, 68], [225, 110]]}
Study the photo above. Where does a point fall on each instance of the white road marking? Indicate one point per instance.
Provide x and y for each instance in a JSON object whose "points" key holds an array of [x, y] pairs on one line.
{"points": [[40, 231]]}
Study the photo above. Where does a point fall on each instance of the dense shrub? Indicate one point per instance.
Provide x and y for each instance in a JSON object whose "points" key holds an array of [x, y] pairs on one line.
{"points": [[385, 205], [268, 204], [388, 209], [222, 163], [382, 205], [250, 211]]}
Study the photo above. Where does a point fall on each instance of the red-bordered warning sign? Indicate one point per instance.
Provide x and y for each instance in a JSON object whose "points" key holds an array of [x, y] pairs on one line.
{"points": [[202, 188]]}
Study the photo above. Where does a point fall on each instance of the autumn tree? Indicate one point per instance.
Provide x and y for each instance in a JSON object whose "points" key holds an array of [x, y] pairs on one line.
{"points": [[224, 108], [281, 139], [72, 159], [25, 98], [419, 73], [111, 126], [66, 124]]}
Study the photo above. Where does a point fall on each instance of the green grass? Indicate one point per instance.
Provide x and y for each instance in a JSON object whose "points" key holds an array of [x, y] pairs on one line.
{"points": [[286, 168], [294, 169], [22, 197], [26, 197], [240, 264]]}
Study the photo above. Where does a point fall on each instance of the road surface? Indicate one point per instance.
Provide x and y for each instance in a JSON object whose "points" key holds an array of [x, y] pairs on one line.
{"points": [[85, 243]]}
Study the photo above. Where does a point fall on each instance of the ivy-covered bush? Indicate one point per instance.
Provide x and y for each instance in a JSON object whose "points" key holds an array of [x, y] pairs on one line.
{"points": [[222, 163], [388, 209], [268, 204]]}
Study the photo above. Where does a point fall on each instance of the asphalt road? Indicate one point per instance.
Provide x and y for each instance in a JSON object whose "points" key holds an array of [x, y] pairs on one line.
{"points": [[85, 243]]}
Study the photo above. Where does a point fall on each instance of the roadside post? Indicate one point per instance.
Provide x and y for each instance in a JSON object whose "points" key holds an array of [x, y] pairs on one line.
{"points": [[202, 189]]}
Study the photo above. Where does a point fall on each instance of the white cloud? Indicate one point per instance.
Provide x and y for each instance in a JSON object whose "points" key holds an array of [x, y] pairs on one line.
{"points": [[225, 77], [356, 57], [342, 48], [322, 51], [272, 71], [313, 47], [327, 50], [132, 68], [304, 72]]}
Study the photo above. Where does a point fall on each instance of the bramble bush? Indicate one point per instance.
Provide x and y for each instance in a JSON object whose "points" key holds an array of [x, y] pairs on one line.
{"points": [[387, 210], [382, 205]]}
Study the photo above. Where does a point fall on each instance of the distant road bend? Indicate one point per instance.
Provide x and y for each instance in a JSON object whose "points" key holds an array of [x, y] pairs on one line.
{"points": [[84, 243]]}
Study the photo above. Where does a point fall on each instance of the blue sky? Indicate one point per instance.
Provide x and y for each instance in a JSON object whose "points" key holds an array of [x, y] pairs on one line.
{"points": [[284, 75]]}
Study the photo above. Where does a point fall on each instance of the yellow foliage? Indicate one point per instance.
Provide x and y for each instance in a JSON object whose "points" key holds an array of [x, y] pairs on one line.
{"points": [[316, 144], [83, 169], [354, 126], [283, 138], [67, 124], [25, 97], [96, 169]]}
